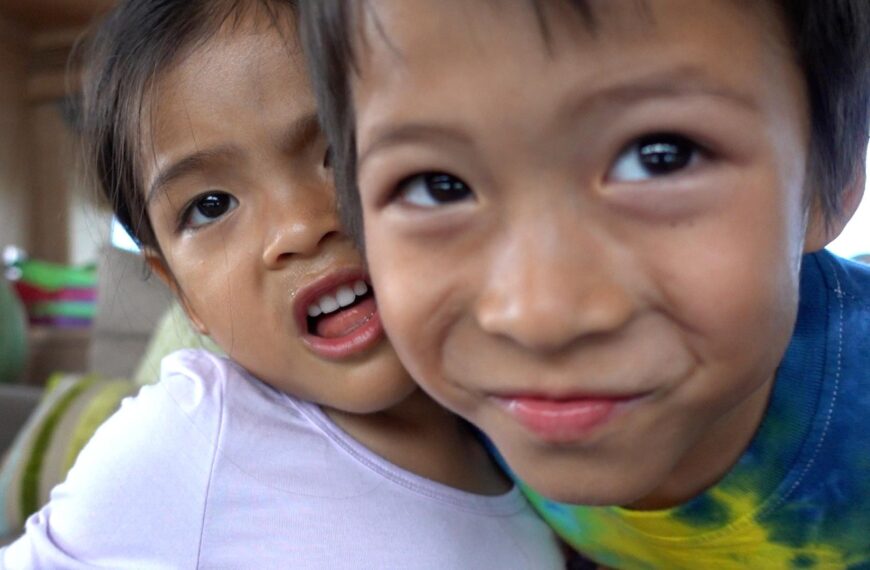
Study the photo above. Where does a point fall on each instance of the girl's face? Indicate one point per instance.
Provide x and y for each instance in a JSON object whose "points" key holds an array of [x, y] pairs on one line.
{"points": [[242, 205]]}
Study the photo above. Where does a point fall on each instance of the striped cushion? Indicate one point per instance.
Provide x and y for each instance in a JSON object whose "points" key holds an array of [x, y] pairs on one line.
{"points": [[72, 409], [173, 332]]}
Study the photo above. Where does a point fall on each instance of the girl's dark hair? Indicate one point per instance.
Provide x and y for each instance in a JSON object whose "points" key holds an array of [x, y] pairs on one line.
{"points": [[137, 42], [830, 40]]}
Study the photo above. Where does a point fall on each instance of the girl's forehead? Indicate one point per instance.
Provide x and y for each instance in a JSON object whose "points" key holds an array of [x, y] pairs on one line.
{"points": [[242, 82]]}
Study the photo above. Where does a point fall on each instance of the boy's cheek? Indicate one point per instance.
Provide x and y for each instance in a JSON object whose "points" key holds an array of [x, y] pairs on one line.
{"points": [[418, 299]]}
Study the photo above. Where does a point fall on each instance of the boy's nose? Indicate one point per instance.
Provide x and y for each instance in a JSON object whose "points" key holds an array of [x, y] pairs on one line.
{"points": [[295, 229], [546, 289]]}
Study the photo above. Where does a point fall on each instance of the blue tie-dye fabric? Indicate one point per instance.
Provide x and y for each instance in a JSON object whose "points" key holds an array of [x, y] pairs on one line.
{"points": [[799, 497]]}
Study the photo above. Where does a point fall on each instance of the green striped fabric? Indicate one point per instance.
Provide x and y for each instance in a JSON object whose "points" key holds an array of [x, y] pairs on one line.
{"points": [[73, 309], [72, 409]]}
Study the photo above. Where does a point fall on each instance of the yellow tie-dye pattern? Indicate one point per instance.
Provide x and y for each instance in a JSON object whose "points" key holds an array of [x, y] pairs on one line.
{"points": [[641, 540]]}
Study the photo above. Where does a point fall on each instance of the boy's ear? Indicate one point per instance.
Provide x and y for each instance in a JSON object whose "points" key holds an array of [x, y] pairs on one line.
{"points": [[822, 229], [158, 266]]}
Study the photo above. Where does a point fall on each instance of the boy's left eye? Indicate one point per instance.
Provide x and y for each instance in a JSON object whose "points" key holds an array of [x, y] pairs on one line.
{"points": [[653, 156]]}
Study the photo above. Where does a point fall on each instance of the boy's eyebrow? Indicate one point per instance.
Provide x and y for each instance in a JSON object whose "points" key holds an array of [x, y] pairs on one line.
{"points": [[670, 82], [413, 132], [299, 134], [675, 82]]}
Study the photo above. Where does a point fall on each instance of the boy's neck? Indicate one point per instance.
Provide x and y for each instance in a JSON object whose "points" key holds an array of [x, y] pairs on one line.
{"points": [[713, 456], [420, 436]]}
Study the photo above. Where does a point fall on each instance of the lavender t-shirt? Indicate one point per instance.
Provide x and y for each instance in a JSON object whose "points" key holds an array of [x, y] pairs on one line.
{"points": [[212, 469]]}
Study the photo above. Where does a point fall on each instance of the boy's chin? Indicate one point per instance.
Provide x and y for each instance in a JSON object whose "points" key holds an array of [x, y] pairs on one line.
{"points": [[568, 476], [597, 493]]}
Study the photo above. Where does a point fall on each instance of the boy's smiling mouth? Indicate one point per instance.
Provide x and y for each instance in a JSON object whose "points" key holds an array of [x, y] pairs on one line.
{"points": [[563, 420], [338, 316]]}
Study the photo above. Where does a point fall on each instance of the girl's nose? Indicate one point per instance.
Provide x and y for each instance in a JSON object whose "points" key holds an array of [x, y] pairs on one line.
{"points": [[549, 285], [298, 229]]}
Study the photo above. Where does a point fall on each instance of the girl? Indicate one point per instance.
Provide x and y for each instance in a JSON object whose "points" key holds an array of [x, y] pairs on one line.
{"points": [[308, 446]]}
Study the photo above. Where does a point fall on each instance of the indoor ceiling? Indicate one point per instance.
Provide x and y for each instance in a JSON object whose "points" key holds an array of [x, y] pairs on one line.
{"points": [[48, 15]]}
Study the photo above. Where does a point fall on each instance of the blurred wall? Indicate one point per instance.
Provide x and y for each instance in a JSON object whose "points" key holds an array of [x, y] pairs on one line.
{"points": [[46, 206], [14, 137]]}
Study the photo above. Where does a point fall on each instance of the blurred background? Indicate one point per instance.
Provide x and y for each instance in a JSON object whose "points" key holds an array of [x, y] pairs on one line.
{"points": [[69, 300], [45, 209]]}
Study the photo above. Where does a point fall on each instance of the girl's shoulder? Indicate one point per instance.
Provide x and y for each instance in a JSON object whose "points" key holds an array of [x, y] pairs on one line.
{"points": [[196, 384], [214, 391]]}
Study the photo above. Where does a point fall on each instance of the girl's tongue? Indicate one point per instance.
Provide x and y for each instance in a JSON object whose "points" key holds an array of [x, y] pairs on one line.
{"points": [[344, 321]]}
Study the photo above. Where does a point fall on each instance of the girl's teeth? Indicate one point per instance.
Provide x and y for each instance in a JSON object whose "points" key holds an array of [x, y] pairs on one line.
{"points": [[345, 296], [328, 304], [360, 288]]}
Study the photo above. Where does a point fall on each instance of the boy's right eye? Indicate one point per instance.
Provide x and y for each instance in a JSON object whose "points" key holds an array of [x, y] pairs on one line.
{"points": [[207, 208], [433, 189]]}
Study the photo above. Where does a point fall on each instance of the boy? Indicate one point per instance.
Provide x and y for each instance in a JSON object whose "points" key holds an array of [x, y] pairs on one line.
{"points": [[595, 232]]}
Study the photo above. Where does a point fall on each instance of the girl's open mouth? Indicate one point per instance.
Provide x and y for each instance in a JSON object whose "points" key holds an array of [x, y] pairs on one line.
{"points": [[338, 315]]}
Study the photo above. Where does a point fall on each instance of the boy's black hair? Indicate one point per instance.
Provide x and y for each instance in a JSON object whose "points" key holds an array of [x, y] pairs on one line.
{"points": [[829, 38], [137, 42]]}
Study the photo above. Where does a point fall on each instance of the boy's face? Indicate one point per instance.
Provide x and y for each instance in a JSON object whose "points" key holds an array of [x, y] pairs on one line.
{"points": [[588, 244]]}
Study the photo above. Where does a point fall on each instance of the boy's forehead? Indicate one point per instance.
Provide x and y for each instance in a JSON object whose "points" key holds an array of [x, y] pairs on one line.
{"points": [[413, 36], [420, 44], [398, 24]]}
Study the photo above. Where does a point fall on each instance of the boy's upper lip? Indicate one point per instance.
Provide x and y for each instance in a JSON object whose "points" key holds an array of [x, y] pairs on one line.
{"points": [[565, 397], [320, 286]]}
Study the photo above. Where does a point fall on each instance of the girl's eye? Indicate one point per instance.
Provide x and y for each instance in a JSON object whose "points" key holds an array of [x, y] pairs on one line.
{"points": [[652, 156], [207, 208], [433, 189]]}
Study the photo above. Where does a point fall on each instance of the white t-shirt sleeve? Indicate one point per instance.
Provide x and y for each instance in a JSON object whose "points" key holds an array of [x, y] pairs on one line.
{"points": [[137, 494]]}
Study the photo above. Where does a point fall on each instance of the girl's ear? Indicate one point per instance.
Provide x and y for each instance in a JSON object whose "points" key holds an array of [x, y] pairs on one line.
{"points": [[158, 266], [822, 229]]}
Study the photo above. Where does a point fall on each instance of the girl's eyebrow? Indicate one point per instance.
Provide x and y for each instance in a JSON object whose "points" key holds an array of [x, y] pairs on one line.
{"points": [[194, 162], [298, 135], [301, 133]]}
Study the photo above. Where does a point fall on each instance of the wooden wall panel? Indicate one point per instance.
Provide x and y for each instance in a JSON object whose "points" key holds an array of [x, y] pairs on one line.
{"points": [[14, 137]]}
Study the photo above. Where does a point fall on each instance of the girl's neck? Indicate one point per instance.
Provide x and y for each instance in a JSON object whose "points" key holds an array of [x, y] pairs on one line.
{"points": [[422, 437]]}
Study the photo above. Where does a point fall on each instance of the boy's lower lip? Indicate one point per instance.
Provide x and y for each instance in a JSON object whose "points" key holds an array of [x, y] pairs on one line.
{"points": [[560, 421], [359, 340]]}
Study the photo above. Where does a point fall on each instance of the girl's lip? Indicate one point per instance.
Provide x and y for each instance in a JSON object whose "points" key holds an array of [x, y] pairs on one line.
{"points": [[563, 420], [359, 340]]}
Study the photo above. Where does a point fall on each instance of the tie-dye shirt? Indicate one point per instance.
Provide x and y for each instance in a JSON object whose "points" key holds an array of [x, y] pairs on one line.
{"points": [[799, 497]]}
